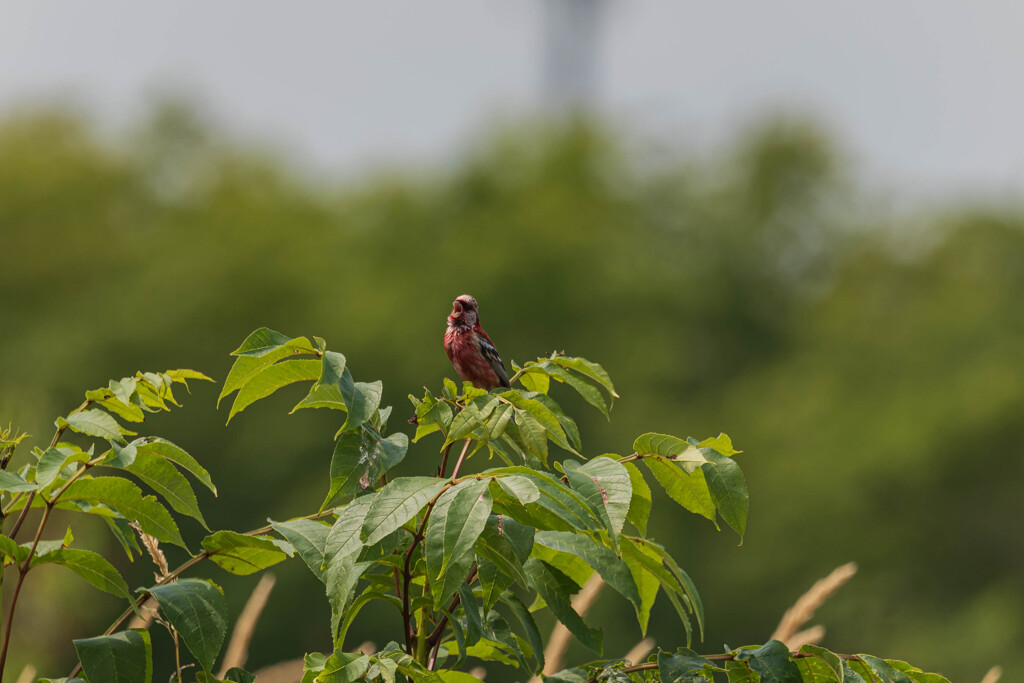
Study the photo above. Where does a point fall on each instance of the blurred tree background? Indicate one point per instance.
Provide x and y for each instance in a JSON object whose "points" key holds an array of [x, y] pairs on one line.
{"points": [[871, 370]]}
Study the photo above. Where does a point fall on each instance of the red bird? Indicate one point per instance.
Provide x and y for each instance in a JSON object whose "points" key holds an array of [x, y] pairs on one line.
{"points": [[469, 348]]}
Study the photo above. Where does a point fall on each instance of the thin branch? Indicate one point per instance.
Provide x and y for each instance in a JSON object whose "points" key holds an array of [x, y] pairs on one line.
{"points": [[444, 461], [462, 456]]}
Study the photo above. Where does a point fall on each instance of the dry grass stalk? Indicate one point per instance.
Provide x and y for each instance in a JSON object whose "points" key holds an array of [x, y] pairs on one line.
{"points": [[806, 605], [640, 651], [560, 636], [478, 673], [993, 675], [809, 636], [148, 608], [28, 674], [238, 647], [283, 672]]}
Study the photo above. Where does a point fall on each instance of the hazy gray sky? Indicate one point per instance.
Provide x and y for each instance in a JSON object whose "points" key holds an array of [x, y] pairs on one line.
{"points": [[926, 94]]}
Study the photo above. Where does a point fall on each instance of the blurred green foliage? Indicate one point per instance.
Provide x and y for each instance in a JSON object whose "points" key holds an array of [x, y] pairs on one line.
{"points": [[872, 373]]}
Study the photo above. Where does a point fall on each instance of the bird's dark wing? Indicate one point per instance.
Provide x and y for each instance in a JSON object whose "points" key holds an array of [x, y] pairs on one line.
{"points": [[490, 354]]}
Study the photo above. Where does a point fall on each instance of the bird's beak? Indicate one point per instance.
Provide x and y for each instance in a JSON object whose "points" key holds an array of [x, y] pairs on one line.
{"points": [[456, 309]]}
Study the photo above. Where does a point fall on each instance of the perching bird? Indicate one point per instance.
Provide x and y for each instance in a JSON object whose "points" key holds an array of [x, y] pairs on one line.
{"points": [[469, 348]]}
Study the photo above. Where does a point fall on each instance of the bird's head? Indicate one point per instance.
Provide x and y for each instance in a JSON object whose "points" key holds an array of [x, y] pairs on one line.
{"points": [[464, 312]]}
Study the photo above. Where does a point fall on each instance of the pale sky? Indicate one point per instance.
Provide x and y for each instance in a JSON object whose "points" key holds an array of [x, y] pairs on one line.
{"points": [[926, 95]]}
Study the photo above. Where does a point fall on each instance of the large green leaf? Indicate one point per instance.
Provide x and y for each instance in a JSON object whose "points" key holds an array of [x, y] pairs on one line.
{"points": [[542, 414], [261, 342], [455, 524], [361, 399], [670, 448], [98, 423], [124, 657], [246, 367], [396, 504], [772, 662], [683, 666], [360, 458], [90, 566], [53, 460], [198, 612], [322, 396], [640, 502], [345, 536], [728, 489], [529, 626], [584, 386], [309, 538], [603, 559], [165, 479], [524, 490], [588, 369], [605, 486], [344, 667], [271, 378], [176, 455], [9, 481], [689, 490], [556, 589], [125, 498], [647, 582], [241, 554]]}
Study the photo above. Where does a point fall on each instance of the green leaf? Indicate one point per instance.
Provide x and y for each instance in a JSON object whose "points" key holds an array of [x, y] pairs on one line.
{"points": [[10, 549], [556, 589], [261, 342], [739, 672], [587, 369], [670, 448], [165, 479], [9, 481], [683, 666], [332, 368], [52, 461], [241, 554], [198, 612], [361, 399], [542, 414], [689, 490], [535, 380], [455, 524], [584, 386], [684, 581], [90, 566], [603, 559], [728, 489], [344, 667], [309, 538], [772, 662], [341, 577], [98, 423], [529, 627], [884, 672], [396, 504], [360, 458], [605, 486], [647, 582], [640, 502], [125, 535], [246, 367], [169, 451], [322, 396], [493, 581], [831, 660], [642, 553], [271, 378], [523, 489], [125, 498], [721, 443], [124, 657], [344, 538], [529, 435]]}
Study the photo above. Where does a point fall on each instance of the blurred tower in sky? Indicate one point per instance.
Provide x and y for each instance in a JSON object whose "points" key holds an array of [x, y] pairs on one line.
{"points": [[571, 33]]}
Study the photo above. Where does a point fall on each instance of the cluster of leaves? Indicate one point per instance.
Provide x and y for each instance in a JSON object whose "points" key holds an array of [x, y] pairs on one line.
{"points": [[466, 559]]}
